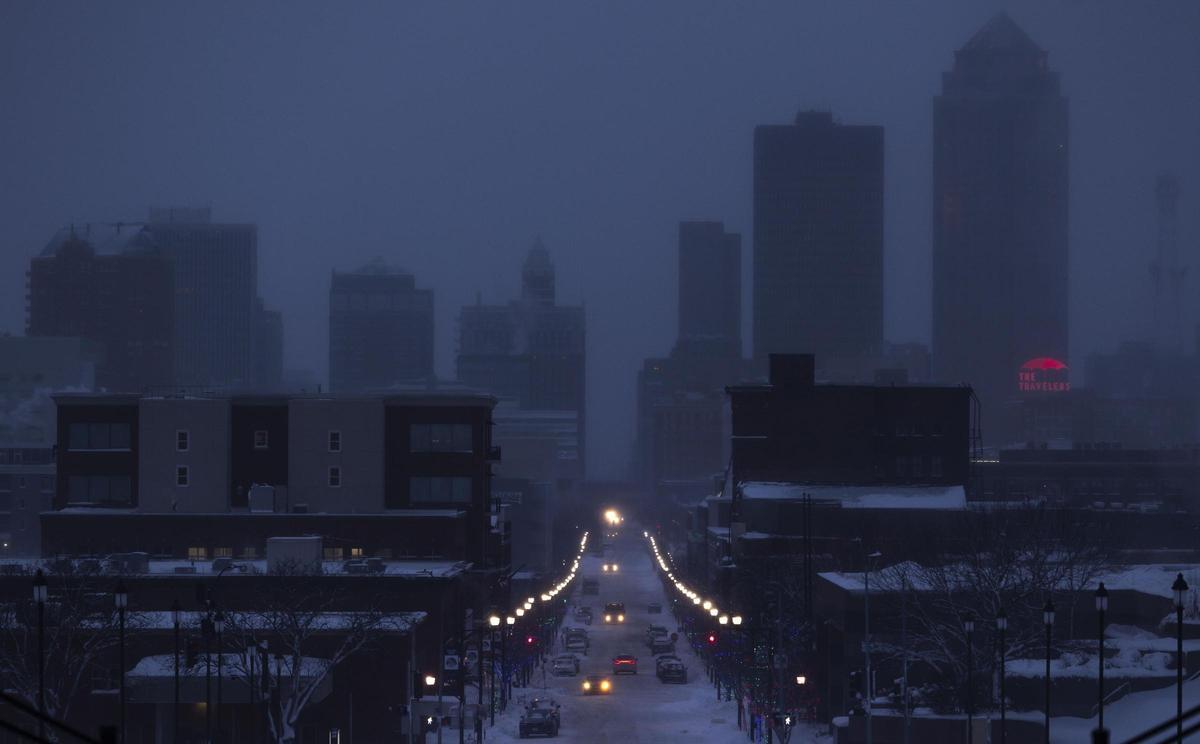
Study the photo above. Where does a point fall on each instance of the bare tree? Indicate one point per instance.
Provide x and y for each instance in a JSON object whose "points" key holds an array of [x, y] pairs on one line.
{"points": [[81, 631], [309, 635]]}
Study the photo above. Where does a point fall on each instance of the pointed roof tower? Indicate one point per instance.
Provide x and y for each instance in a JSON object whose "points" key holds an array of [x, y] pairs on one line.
{"points": [[537, 275], [1001, 33]]}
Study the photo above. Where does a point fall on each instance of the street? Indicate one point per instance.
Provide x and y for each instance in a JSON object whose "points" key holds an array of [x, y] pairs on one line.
{"points": [[640, 708]]}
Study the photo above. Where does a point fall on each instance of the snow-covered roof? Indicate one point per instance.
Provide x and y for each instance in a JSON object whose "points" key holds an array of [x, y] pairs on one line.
{"points": [[863, 497], [163, 665]]}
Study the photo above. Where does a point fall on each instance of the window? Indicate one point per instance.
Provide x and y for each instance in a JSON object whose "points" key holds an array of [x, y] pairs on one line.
{"points": [[935, 466], [440, 490], [197, 554], [335, 441], [335, 477], [20, 482], [182, 476], [98, 436], [222, 552], [261, 439], [356, 552], [249, 553], [333, 554], [440, 438], [182, 441], [99, 489]]}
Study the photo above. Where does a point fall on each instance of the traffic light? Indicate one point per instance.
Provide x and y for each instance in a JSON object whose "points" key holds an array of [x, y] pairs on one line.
{"points": [[712, 638], [530, 640]]}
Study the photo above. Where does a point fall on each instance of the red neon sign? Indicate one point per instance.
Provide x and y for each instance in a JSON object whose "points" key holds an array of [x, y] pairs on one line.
{"points": [[1043, 375]]}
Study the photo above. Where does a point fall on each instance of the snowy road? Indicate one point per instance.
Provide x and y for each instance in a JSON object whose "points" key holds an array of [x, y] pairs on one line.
{"points": [[640, 708]]}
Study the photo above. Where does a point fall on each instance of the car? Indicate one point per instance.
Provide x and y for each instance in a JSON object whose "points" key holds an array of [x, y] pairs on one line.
{"points": [[624, 664], [671, 669], [654, 608], [576, 642], [537, 722], [584, 615], [565, 665], [614, 612], [596, 684], [610, 568], [657, 633]]}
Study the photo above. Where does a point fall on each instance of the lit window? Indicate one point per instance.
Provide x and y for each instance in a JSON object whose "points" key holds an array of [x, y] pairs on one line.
{"points": [[335, 441], [182, 476], [335, 477], [356, 552], [261, 439], [197, 554], [222, 552], [182, 441]]}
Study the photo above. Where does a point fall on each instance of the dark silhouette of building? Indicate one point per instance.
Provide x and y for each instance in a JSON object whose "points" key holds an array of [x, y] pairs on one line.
{"points": [[121, 298], [268, 371], [531, 350], [380, 329], [710, 285], [818, 243], [1000, 218], [216, 293]]}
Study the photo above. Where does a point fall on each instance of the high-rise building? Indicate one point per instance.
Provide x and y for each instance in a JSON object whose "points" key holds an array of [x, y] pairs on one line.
{"points": [[117, 293], [380, 329], [818, 242], [268, 337], [710, 285], [1000, 221], [216, 292], [531, 350]]}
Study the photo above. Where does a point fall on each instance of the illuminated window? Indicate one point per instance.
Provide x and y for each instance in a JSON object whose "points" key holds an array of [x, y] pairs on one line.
{"points": [[182, 475], [356, 552], [262, 439], [222, 552], [335, 441], [197, 554]]}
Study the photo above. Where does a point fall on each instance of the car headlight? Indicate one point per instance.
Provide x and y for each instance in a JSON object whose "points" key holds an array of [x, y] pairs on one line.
{"points": [[608, 618], [587, 685], [614, 568], [604, 685], [620, 618]]}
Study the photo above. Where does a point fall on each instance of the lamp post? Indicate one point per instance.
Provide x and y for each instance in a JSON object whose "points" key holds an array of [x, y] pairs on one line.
{"points": [[121, 598], [40, 593], [969, 627], [1179, 588], [219, 627], [506, 675], [1101, 608], [279, 690], [494, 622], [1002, 627], [206, 630], [176, 618], [1048, 621]]}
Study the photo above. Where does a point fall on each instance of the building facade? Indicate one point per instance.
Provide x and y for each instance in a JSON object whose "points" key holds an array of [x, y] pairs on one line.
{"points": [[818, 242], [121, 302], [710, 284], [1000, 173], [380, 329]]}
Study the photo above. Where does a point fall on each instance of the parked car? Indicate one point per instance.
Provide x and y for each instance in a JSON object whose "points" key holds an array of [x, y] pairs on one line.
{"points": [[595, 684], [671, 669], [576, 641], [624, 664], [538, 722], [565, 665], [662, 645], [654, 632], [654, 608], [584, 615]]}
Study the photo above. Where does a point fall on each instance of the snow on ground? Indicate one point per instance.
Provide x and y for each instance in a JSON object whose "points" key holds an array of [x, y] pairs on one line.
{"points": [[640, 708]]}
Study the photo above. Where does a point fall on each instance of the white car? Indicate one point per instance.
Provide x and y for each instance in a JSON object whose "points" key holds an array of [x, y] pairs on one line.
{"points": [[565, 665]]}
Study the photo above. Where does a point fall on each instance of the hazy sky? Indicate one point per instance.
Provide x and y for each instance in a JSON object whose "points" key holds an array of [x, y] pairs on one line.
{"points": [[445, 135]]}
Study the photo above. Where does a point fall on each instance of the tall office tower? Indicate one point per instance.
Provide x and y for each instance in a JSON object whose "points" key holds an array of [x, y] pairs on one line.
{"points": [[531, 350], [216, 292], [818, 243], [268, 343], [1000, 223], [710, 288], [117, 292], [380, 329]]}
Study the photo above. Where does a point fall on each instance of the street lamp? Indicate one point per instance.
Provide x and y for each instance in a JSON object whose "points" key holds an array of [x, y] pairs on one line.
{"points": [[1179, 588], [801, 679], [1048, 621], [219, 627], [121, 598], [176, 618], [1002, 626], [968, 622], [40, 593], [1101, 608], [736, 619]]}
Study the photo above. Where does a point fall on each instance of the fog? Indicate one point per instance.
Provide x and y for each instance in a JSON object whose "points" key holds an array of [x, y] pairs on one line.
{"points": [[446, 136]]}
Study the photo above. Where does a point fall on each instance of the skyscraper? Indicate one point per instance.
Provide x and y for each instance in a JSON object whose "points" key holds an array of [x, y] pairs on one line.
{"points": [[380, 329], [216, 292], [818, 241], [116, 292], [710, 286], [1000, 218]]}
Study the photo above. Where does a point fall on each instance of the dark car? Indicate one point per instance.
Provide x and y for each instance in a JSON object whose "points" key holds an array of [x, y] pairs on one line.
{"points": [[595, 684], [671, 669], [625, 664], [538, 722], [654, 608], [614, 612]]}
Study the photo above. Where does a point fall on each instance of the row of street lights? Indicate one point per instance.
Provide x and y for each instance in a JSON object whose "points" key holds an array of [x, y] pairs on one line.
{"points": [[693, 596]]}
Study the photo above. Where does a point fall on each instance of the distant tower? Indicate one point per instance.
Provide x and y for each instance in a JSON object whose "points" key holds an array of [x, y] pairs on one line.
{"points": [[1166, 271], [537, 275]]}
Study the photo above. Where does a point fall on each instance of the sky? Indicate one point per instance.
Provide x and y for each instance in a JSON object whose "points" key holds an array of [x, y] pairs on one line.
{"points": [[446, 136]]}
